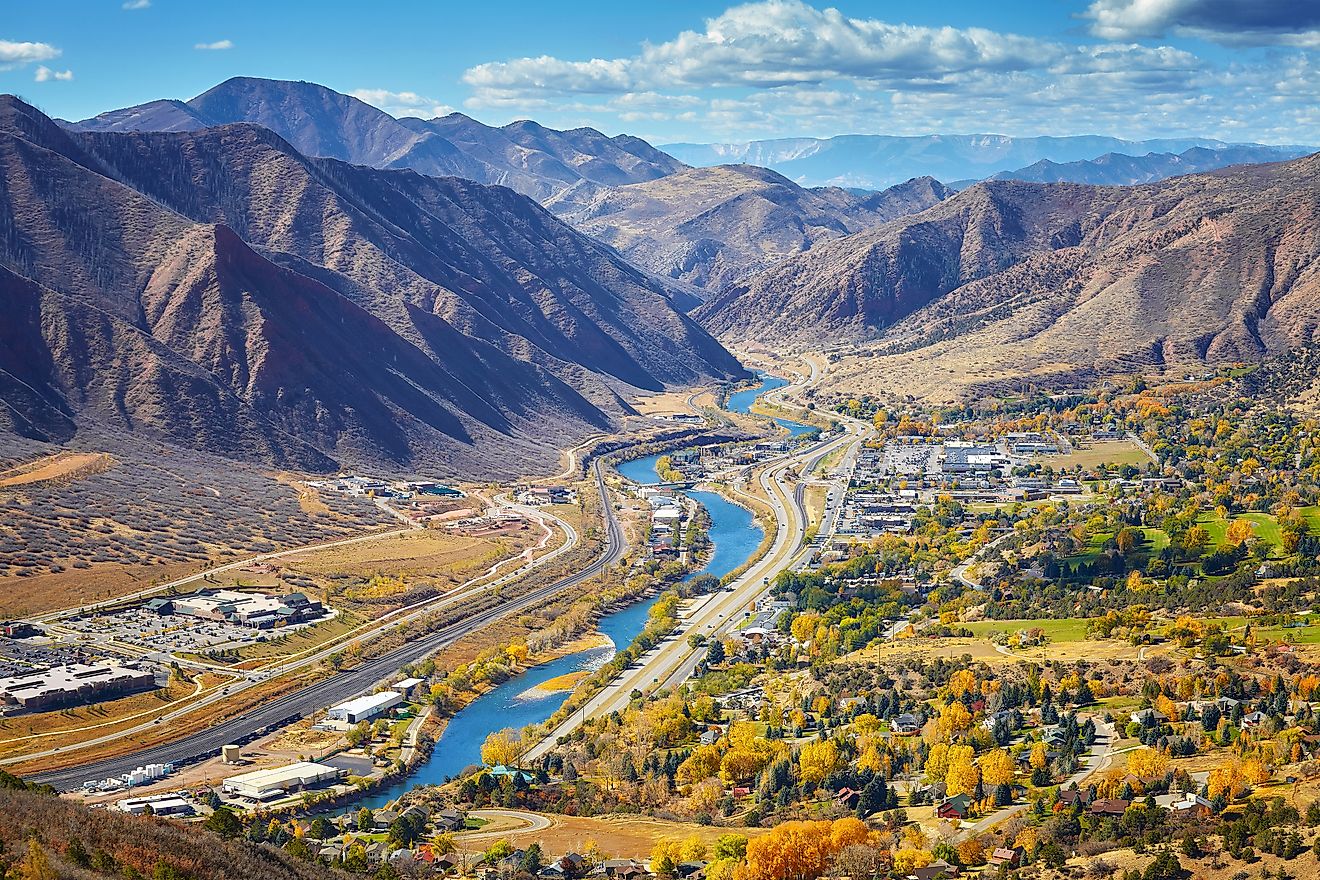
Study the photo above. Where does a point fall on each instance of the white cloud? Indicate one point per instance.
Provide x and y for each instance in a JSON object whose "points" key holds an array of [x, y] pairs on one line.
{"points": [[775, 43], [45, 74], [1232, 22], [400, 104], [217, 46], [18, 54], [137, 4]]}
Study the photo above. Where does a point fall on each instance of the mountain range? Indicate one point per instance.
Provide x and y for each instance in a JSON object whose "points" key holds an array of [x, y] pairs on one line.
{"points": [[709, 226], [879, 161], [1012, 279], [218, 288], [321, 122], [1119, 169]]}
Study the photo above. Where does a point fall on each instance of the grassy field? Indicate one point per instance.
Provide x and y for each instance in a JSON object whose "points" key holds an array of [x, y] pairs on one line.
{"points": [[1302, 635], [1099, 452], [428, 554], [1264, 526], [1067, 629], [616, 836], [301, 640]]}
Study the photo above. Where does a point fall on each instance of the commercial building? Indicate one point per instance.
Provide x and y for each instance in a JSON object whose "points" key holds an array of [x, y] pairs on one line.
{"points": [[71, 684], [264, 784], [159, 804], [365, 708], [257, 610]]}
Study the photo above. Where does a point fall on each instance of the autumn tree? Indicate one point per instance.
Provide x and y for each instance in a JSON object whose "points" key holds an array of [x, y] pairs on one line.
{"points": [[503, 747], [817, 760]]}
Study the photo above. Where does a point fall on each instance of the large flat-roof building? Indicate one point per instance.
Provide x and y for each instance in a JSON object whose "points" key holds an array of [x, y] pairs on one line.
{"points": [[73, 683], [365, 708], [268, 783]]}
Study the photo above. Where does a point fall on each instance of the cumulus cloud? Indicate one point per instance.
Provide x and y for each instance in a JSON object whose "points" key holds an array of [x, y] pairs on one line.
{"points": [[400, 104], [136, 4], [45, 74], [775, 43], [217, 46], [18, 54], [1234, 22]]}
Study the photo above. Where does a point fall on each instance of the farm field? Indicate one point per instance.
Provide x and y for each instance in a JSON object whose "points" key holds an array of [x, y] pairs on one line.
{"points": [[1069, 629]]}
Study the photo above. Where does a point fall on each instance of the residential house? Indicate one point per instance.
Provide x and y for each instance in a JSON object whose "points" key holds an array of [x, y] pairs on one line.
{"points": [[1109, 807], [955, 807], [1005, 857]]}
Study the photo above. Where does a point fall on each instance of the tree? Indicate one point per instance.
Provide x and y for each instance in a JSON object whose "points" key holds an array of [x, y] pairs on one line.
{"points": [[732, 846], [36, 864], [532, 862], [503, 747], [1238, 531], [365, 820], [997, 767], [715, 653], [224, 822], [1165, 867], [818, 760], [665, 858]]}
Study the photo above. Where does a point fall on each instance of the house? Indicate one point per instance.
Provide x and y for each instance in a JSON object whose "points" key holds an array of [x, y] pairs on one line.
{"points": [[710, 737], [1109, 807], [1253, 719], [936, 869], [905, 725], [847, 797], [1149, 717], [1005, 857], [1192, 805], [691, 870], [1074, 796], [622, 868], [955, 807]]}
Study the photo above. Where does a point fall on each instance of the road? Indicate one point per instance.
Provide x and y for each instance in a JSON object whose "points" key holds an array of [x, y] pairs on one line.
{"points": [[674, 661], [341, 685], [506, 822], [1097, 760]]}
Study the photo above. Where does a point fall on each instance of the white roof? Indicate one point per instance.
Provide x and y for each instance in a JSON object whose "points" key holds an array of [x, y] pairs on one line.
{"points": [[279, 777], [367, 703], [408, 683]]}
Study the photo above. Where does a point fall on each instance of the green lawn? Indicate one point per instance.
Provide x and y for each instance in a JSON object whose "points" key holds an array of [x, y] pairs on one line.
{"points": [[1304, 635], [1264, 526], [1067, 629]]}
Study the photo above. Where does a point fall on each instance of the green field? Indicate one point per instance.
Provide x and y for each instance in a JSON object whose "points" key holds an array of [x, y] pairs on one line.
{"points": [[1067, 629], [1303, 635], [1265, 527]]}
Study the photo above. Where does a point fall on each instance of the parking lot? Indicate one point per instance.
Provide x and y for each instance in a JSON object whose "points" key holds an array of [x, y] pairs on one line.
{"points": [[172, 632]]}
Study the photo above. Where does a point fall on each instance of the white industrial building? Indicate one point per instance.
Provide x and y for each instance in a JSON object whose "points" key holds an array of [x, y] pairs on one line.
{"points": [[365, 708], [264, 784], [160, 805]]}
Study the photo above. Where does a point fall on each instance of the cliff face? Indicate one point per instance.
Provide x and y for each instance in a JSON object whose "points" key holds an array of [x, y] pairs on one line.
{"points": [[220, 288]]}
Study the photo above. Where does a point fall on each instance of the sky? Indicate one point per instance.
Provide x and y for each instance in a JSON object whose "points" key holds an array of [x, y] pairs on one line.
{"points": [[696, 71]]}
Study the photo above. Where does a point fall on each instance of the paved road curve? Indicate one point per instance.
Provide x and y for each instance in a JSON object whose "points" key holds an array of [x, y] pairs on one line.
{"points": [[342, 685]]}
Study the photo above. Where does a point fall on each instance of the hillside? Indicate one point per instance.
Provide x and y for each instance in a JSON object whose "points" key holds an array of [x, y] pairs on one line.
{"points": [[221, 290], [708, 226], [879, 161], [321, 122], [1009, 280], [1118, 169]]}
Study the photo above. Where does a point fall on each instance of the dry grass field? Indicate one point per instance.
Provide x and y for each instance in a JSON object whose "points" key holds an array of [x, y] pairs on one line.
{"points": [[616, 836], [665, 403], [431, 554], [61, 465], [1096, 453]]}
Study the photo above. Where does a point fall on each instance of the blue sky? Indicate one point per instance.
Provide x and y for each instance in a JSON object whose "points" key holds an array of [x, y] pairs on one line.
{"points": [[705, 71]]}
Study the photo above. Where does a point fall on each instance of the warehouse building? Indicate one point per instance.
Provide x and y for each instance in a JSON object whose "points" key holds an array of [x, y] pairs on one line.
{"points": [[365, 708], [159, 805], [256, 610], [72, 684], [260, 785]]}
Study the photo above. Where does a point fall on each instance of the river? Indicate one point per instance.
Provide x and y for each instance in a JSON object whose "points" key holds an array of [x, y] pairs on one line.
{"points": [[518, 702]]}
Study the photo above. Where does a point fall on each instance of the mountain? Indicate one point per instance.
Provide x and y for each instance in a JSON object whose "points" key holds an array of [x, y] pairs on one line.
{"points": [[540, 162], [708, 226], [1119, 169], [321, 122], [221, 290], [1010, 279], [879, 161]]}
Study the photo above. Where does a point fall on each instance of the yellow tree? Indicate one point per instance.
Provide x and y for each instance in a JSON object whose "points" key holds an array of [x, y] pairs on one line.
{"points": [[818, 760], [1238, 531], [502, 747], [1039, 757], [963, 775], [937, 762], [1148, 764], [997, 767]]}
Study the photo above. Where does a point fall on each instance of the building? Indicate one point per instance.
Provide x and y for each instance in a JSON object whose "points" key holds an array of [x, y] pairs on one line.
{"points": [[955, 807], [257, 610], [159, 805], [365, 708], [265, 784], [72, 684]]}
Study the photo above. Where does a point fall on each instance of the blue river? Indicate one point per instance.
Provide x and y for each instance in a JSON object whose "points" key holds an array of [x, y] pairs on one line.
{"points": [[517, 702], [741, 402]]}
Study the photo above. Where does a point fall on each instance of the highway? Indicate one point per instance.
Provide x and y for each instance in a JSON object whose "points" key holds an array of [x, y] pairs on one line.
{"points": [[342, 685], [673, 661]]}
